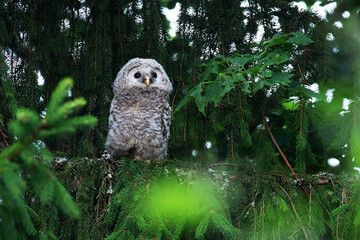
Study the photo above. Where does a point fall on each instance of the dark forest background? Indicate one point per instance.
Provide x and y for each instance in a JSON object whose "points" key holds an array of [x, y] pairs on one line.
{"points": [[251, 113]]}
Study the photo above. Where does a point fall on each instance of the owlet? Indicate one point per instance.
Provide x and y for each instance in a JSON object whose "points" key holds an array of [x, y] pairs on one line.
{"points": [[140, 113]]}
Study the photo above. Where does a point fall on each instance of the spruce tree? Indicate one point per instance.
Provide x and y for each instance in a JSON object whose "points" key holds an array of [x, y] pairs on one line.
{"points": [[253, 122]]}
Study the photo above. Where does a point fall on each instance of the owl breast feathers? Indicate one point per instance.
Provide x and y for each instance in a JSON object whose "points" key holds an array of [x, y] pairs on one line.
{"points": [[140, 113]]}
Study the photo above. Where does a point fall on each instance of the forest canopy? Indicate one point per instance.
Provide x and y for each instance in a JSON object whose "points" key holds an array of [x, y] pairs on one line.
{"points": [[265, 120]]}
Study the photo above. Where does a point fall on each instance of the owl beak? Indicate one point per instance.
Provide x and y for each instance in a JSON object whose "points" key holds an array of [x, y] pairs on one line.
{"points": [[147, 80]]}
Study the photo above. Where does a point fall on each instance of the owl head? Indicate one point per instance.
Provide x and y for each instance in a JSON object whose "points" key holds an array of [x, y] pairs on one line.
{"points": [[142, 73]]}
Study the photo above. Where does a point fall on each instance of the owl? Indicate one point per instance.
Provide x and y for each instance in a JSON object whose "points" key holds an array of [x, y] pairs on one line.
{"points": [[140, 113]]}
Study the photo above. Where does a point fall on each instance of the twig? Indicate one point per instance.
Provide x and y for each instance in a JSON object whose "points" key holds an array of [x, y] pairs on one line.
{"points": [[231, 138], [282, 154], [228, 164], [278, 148], [294, 209], [304, 82]]}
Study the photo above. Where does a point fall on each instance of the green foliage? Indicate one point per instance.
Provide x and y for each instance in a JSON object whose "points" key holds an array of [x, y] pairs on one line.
{"points": [[250, 73], [24, 166], [347, 215], [252, 129], [8, 106], [277, 210], [165, 201]]}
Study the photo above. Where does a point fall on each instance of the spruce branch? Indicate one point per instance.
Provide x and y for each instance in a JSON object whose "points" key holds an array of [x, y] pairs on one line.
{"points": [[294, 209], [28, 141], [30, 174]]}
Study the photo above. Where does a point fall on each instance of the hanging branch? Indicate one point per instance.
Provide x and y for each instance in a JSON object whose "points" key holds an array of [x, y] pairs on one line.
{"points": [[278, 147], [294, 209], [281, 153], [181, 67], [304, 82], [231, 138]]}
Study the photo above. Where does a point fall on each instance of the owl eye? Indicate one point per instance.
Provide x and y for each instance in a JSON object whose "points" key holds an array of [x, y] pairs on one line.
{"points": [[154, 75], [137, 75]]}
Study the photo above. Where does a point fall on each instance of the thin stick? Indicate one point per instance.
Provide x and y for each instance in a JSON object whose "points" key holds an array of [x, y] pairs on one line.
{"points": [[278, 148], [294, 209], [224, 163], [282, 155]]}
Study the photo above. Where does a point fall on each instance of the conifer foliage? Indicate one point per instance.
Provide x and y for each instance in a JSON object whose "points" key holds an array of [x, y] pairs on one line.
{"points": [[24, 166], [258, 109]]}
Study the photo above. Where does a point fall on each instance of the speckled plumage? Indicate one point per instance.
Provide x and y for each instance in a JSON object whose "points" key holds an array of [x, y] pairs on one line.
{"points": [[139, 119]]}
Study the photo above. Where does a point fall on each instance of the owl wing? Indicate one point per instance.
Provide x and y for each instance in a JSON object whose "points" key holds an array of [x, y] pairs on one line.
{"points": [[165, 121], [116, 143]]}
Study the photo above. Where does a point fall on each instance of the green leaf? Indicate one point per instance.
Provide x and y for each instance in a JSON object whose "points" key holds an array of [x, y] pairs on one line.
{"points": [[281, 56], [228, 83], [185, 101], [199, 100], [282, 78], [241, 60], [299, 38], [195, 93], [275, 57], [258, 85], [239, 77], [245, 87], [214, 67], [277, 39], [309, 93], [201, 103], [213, 92], [290, 104], [266, 74], [206, 75]]}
